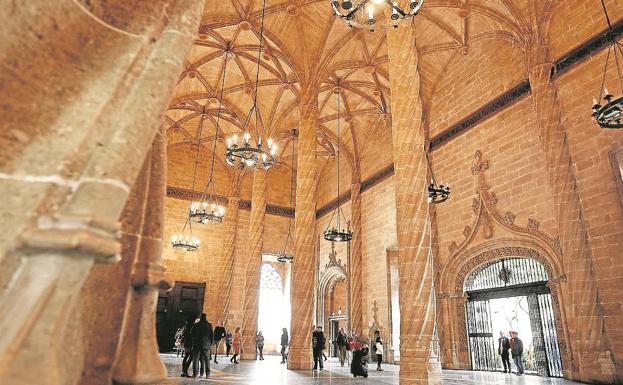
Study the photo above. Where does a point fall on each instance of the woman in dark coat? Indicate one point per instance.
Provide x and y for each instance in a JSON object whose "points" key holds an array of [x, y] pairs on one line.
{"points": [[187, 341], [359, 363]]}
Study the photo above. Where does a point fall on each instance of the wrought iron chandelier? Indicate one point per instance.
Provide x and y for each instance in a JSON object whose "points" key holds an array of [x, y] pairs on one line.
{"points": [[252, 154], [610, 113], [287, 253], [373, 14], [183, 241], [337, 233], [208, 209], [437, 193]]}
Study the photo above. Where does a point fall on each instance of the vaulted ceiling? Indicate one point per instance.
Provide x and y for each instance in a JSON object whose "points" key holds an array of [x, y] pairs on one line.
{"points": [[304, 43]]}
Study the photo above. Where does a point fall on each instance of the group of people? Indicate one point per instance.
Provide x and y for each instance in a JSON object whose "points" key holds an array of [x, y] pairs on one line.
{"points": [[197, 339], [511, 347]]}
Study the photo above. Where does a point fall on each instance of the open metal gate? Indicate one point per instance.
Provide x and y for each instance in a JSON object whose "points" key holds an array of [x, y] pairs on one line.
{"points": [[511, 278]]}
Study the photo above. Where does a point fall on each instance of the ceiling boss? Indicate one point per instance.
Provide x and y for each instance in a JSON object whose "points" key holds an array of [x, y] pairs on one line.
{"points": [[373, 14]]}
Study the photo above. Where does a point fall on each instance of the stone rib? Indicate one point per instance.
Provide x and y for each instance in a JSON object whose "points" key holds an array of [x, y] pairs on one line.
{"points": [[417, 305], [252, 286]]}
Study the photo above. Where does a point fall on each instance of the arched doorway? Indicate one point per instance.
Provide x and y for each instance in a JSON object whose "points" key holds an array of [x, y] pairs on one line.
{"points": [[512, 294], [274, 306]]}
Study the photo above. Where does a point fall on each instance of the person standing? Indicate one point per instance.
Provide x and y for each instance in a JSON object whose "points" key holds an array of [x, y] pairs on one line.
{"points": [[203, 337], [237, 344], [503, 348], [219, 334], [228, 340], [187, 342], [517, 352], [285, 341], [341, 345], [378, 349], [259, 343], [318, 344]]}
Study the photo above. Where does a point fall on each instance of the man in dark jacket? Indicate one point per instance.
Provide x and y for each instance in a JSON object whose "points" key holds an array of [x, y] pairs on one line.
{"points": [[503, 348], [203, 337], [187, 342], [516, 346], [219, 334], [341, 345], [318, 343], [285, 341]]}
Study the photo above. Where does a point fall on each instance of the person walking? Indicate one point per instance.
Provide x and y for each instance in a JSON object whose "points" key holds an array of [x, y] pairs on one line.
{"points": [[228, 340], [378, 349], [203, 337], [219, 334], [504, 346], [259, 343], [237, 344], [285, 341], [341, 343], [187, 342], [318, 344], [517, 352]]}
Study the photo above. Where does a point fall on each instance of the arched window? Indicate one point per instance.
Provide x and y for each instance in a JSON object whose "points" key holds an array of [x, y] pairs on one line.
{"points": [[506, 272], [270, 278]]}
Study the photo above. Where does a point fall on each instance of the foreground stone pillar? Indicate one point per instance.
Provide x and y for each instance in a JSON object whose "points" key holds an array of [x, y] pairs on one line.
{"points": [[252, 286], [229, 252], [137, 360], [356, 263], [419, 363], [88, 119], [587, 325], [304, 266]]}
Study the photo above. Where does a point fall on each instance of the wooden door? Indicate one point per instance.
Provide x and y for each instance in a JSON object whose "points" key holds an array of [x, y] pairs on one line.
{"points": [[175, 306]]}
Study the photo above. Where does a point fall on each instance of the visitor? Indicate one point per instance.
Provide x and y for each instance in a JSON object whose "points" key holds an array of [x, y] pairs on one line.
{"points": [[378, 349], [179, 348], [219, 334], [516, 346], [228, 340], [259, 343], [202, 335], [341, 343], [359, 365], [503, 348], [318, 344], [285, 341], [237, 344], [187, 343]]}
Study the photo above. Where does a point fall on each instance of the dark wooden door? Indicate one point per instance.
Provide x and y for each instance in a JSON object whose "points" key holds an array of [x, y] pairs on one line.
{"points": [[175, 306]]}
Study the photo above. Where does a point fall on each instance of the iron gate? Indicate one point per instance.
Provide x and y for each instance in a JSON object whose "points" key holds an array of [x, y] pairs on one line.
{"points": [[511, 278]]}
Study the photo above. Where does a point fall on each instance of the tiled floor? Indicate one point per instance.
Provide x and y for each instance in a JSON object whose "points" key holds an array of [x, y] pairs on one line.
{"points": [[271, 372]]}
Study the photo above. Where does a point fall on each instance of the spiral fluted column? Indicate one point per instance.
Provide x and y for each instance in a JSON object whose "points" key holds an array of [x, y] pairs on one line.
{"points": [[229, 248], [419, 362], [356, 263], [304, 266], [587, 325], [252, 285]]}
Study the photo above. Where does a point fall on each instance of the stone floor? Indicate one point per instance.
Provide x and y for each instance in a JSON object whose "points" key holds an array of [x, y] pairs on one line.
{"points": [[271, 372]]}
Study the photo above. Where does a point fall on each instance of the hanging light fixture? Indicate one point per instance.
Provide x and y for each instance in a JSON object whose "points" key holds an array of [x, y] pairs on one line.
{"points": [[250, 153], [337, 233], [185, 241], [437, 193], [287, 253], [373, 14], [610, 113], [208, 209]]}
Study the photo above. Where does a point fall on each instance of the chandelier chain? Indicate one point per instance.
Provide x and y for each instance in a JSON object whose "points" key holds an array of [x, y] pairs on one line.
{"points": [[338, 161]]}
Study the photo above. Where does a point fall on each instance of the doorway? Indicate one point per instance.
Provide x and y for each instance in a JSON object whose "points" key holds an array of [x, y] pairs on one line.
{"points": [[512, 294], [274, 306], [175, 306]]}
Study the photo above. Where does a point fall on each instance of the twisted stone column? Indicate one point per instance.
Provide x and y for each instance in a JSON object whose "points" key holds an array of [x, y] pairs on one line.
{"points": [[304, 266], [252, 286], [356, 262], [229, 250], [137, 359], [586, 326], [108, 80], [419, 363]]}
